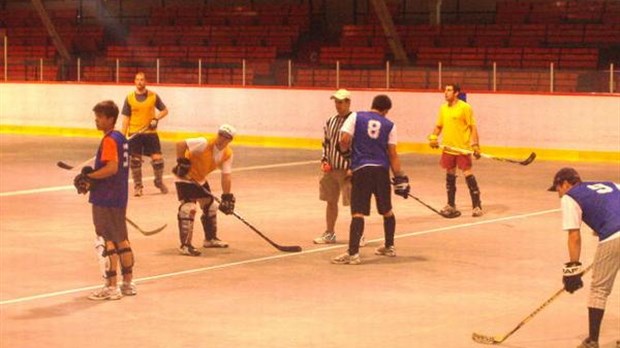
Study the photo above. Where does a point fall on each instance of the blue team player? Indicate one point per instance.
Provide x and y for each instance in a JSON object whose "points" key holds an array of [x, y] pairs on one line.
{"points": [[596, 203], [371, 139]]}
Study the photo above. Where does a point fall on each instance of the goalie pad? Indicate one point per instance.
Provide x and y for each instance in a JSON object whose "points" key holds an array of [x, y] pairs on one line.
{"points": [[103, 257]]}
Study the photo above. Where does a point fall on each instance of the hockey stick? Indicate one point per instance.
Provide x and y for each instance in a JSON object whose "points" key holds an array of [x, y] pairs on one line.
{"points": [[291, 249], [145, 232], [456, 214], [525, 162], [66, 166], [484, 339]]}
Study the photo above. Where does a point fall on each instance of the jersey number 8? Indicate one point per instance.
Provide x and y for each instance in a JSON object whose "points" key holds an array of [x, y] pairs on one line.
{"points": [[374, 128]]}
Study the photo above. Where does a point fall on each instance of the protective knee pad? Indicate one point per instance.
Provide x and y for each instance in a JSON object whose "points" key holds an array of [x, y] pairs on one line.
{"points": [[127, 261], [209, 219], [473, 190], [135, 164], [158, 169], [451, 188], [186, 215]]}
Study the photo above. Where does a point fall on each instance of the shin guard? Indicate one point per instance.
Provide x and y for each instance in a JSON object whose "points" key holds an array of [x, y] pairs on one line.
{"points": [[158, 171], [187, 212], [474, 192], [451, 188], [135, 164]]}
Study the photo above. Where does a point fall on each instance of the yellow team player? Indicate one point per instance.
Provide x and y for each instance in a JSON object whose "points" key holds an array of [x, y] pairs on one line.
{"points": [[456, 120], [196, 158], [139, 117]]}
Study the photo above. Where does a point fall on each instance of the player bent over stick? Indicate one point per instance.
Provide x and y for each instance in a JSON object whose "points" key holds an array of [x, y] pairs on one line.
{"points": [[598, 205], [108, 187], [372, 140], [196, 158]]}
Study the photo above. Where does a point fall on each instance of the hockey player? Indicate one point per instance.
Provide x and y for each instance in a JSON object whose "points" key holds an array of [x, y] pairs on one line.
{"points": [[456, 120], [107, 183], [139, 117], [596, 203], [196, 158]]}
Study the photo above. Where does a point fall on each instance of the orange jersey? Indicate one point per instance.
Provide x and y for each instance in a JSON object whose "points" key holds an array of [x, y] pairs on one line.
{"points": [[141, 112], [205, 158]]}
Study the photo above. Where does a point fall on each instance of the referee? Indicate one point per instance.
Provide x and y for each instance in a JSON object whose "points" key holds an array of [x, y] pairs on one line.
{"points": [[335, 166]]}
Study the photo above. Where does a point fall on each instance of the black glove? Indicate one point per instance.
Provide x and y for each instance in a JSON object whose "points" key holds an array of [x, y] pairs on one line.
{"points": [[401, 185], [82, 182], [153, 124], [182, 168], [476, 148], [572, 276], [227, 205]]}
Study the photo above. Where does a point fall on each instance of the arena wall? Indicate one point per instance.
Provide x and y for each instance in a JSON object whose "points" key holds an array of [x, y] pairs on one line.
{"points": [[564, 127]]}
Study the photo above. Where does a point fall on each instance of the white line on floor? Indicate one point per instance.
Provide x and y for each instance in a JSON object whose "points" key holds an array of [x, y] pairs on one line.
{"points": [[70, 187], [278, 256]]}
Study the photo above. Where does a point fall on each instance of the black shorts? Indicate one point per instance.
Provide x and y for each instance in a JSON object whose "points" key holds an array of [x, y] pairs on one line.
{"points": [[110, 223], [189, 192], [145, 144], [368, 181]]}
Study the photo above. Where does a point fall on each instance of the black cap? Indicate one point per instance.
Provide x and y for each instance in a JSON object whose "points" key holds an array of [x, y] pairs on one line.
{"points": [[564, 174]]}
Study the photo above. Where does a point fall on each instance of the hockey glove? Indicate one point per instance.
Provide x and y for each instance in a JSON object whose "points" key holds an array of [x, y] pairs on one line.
{"points": [[227, 205], [153, 124], [433, 142], [476, 149], [82, 182], [572, 276], [401, 185], [182, 168]]}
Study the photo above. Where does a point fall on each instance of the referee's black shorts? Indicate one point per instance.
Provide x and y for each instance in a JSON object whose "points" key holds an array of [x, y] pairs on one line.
{"points": [[145, 144], [368, 181]]}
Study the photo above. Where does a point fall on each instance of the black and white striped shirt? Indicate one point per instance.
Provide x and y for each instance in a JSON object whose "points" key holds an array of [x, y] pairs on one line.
{"points": [[330, 141]]}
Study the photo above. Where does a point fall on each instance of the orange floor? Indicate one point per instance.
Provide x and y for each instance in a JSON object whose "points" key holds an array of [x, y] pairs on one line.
{"points": [[451, 277]]}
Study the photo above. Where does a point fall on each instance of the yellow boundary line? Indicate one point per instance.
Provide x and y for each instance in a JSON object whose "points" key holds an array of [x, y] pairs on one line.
{"points": [[315, 144]]}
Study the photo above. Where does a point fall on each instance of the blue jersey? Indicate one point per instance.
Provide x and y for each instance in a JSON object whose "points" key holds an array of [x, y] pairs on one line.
{"points": [[600, 206], [370, 140], [112, 191]]}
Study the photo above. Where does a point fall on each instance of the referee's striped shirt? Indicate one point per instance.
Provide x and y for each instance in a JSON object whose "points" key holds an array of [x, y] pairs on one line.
{"points": [[330, 141]]}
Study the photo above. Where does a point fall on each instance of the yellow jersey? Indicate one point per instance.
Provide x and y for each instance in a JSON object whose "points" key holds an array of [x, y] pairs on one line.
{"points": [[456, 122], [142, 112]]}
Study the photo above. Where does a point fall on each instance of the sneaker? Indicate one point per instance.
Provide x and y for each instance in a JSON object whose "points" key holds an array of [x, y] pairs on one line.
{"points": [[477, 212], [326, 238], [450, 212], [214, 243], [363, 241], [162, 187], [129, 289], [386, 251], [137, 190], [188, 250], [106, 293], [588, 344], [346, 259]]}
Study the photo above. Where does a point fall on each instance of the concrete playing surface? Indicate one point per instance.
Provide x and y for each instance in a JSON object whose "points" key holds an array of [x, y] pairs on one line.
{"points": [[451, 277]]}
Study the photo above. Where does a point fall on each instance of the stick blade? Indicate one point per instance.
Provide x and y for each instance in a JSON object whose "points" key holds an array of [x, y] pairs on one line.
{"points": [[64, 165], [155, 231], [289, 249], [483, 339], [529, 159]]}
